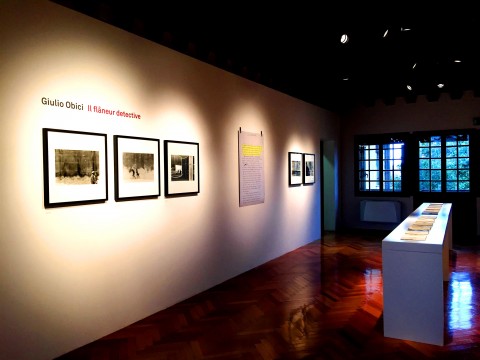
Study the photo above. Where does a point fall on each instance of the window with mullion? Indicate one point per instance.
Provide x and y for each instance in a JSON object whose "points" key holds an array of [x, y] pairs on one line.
{"points": [[379, 165], [392, 167], [369, 167], [457, 163], [430, 164], [444, 163]]}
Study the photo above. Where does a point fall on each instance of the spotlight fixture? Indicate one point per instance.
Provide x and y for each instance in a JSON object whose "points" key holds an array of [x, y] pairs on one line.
{"points": [[414, 66], [385, 33], [440, 85], [409, 88], [344, 39]]}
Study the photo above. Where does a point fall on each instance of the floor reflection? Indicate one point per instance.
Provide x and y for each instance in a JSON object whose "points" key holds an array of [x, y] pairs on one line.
{"points": [[373, 282], [460, 307]]}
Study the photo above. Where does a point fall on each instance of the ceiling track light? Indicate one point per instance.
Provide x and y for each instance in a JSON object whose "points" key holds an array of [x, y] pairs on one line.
{"points": [[344, 39]]}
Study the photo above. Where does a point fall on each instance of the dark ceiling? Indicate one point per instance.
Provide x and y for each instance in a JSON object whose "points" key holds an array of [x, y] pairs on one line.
{"points": [[305, 58]]}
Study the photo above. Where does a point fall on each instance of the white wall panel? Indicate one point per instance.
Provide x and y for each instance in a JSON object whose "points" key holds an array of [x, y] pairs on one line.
{"points": [[73, 274]]}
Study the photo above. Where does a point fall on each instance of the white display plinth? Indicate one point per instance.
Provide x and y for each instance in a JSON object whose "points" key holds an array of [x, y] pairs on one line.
{"points": [[413, 276]]}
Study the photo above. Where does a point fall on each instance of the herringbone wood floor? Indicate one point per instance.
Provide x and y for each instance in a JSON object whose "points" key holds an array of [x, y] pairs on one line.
{"points": [[321, 301]]}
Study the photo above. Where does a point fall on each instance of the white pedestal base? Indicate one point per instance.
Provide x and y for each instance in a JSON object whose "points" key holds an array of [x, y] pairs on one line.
{"points": [[413, 281]]}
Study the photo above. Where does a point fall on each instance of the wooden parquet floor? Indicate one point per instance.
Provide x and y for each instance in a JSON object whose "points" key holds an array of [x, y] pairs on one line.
{"points": [[321, 301]]}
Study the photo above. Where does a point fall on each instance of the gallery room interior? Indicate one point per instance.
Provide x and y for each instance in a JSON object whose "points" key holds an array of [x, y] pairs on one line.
{"points": [[195, 194]]}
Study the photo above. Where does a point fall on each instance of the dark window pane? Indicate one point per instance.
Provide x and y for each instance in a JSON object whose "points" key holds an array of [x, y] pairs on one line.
{"points": [[424, 164], [424, 186], [436, 153], [451, 140], [451, 185], [451, 163], [387, 153], [361, 155], [388, 186], [424, 174], [393, 151], [436, 141], [464, 175], [436, 163], [463, 151], [436, 175], [398, 153], [463, 139], [451, 175], [373, 165], [388, 165], [424, 152], [463, 163], [451, 152]]}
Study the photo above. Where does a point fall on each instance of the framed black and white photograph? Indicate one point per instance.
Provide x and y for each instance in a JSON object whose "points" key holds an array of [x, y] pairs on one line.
{"points": [[308, 169], [182, 169], [137, 167], [74, 167], [295, 168]]}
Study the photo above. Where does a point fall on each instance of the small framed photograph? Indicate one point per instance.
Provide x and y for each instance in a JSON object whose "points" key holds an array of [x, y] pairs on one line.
{"points": [[182, 170], [137, 167], [308, 169], [295, 168], [74, 168]]}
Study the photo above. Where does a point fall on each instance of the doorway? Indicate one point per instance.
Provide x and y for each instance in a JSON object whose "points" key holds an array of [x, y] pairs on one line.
{"points": [[329, 191]]}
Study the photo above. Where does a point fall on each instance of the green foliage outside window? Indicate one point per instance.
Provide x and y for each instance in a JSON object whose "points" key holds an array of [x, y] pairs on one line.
{"points": [[447, 155]]}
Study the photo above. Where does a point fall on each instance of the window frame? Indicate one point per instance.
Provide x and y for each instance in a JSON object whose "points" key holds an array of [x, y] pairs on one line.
{"points": [[380, 140], [443, 134]]}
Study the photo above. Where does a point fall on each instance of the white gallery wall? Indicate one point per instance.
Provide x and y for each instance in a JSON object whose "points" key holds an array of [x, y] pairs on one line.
{"points": [[70, 275]]}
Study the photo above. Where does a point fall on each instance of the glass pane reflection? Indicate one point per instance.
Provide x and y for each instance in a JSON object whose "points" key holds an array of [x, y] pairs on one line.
{"points": [[460, 310]]}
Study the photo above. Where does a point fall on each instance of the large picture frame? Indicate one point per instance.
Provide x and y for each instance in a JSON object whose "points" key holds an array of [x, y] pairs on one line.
{"points": [[74, 167], [295, 168], [137, 167], [308, 169], [182, 168]]}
